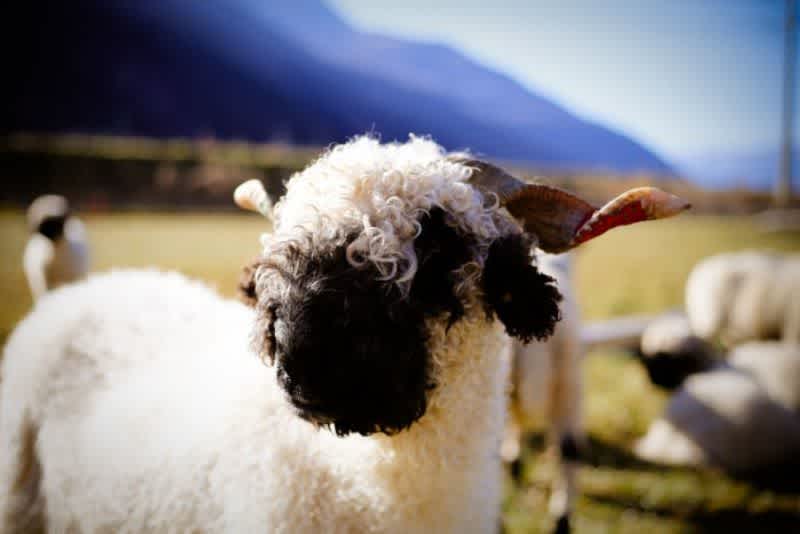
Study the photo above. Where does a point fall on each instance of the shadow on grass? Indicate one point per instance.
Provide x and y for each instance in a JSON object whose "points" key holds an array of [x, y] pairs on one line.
{"points": [[598, 453], [712, 521], [784, 479]]}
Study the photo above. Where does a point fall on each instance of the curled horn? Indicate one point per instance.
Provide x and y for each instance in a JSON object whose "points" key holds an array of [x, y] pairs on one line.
{"points": [[562, 220]]}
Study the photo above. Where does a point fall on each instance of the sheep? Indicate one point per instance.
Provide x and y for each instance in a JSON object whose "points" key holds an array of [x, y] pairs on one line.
{"points": [[742, 416], [57, 251], [364, 391], [745, 296], [547, 386]]}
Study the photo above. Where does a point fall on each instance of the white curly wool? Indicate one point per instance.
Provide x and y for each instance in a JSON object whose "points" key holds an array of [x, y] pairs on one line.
{"points": [[138, 396], [381, 191]]}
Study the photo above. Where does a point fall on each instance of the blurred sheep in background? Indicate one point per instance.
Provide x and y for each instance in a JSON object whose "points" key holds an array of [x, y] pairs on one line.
{"points": [[744, 296], [547, 386], [734, 362], [57, 251], [743, 415]]}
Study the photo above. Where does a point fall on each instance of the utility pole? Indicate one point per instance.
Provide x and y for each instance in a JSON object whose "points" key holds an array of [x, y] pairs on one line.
{"points": [[783, 188]]}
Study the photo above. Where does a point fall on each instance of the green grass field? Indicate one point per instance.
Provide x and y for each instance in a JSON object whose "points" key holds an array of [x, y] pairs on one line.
{"points": [[631, 270]]}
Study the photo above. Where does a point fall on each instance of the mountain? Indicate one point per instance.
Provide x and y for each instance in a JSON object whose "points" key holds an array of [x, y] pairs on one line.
{"points": [[753, 170], [291, 71]]}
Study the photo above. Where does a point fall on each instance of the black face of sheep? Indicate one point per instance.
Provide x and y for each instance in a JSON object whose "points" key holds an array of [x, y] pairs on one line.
{"points": [[669, 370], [47, 216], [351, 350], [52, 227], [670, 352]]}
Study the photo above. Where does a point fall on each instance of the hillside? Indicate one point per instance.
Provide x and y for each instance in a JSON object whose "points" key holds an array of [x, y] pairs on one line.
{"points": [[753, 170], [292, 72]]}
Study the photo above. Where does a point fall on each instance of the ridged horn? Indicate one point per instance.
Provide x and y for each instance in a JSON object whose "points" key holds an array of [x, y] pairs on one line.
{"points": [[562, 220]]}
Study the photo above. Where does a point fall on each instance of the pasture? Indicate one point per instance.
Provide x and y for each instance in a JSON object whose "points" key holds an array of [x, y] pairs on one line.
{"points": [[631, 270]]}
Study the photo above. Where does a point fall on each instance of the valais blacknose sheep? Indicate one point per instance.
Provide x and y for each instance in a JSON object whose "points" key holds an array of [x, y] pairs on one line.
{"points": [[140, 401], [547, 387], [57, 251]]}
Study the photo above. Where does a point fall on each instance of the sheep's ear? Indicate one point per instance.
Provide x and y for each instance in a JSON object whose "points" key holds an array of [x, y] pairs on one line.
{"points": [[525, 300], [246, 288], [562, 220]]}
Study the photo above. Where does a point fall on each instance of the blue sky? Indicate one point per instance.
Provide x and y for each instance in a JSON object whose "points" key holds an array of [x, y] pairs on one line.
{"points": [[685, 77]]}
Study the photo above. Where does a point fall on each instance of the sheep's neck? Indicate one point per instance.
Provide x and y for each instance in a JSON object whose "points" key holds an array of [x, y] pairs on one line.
{"points": [[450, 456]]}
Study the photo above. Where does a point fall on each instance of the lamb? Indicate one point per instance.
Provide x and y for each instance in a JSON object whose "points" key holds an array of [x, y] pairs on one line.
{"points": [[739, 410], [57, 251], [741, 416], [745, 296], [364, 391], [547, 386], [545, 377]]}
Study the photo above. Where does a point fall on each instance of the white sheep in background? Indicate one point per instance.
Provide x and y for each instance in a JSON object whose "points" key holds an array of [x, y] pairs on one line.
{"points": [[138, 401], [742, 296], [742, 416], [547, 386], [57, 251]]}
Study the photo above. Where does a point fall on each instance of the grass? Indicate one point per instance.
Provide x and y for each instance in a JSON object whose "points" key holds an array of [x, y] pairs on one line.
{"points": [[642, 268], [622, 494], [633, 270], [208, 247]]}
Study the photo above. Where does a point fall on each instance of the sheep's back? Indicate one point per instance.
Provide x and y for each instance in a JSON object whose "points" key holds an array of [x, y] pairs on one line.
{"points": [[131, 379], [725, 418], [775, 366], [713, 291]]}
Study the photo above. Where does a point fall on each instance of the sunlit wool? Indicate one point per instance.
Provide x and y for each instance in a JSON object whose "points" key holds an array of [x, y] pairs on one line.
{"points": [[382, 190]]}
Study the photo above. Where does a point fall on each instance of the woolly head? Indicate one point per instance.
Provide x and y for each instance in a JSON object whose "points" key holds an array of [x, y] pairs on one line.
{"points": [[47, 215], [371, 245], [671, 352]]}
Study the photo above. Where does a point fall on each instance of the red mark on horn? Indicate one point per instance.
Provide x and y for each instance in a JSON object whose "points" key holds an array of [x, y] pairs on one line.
{"points": [[601, 221]]}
